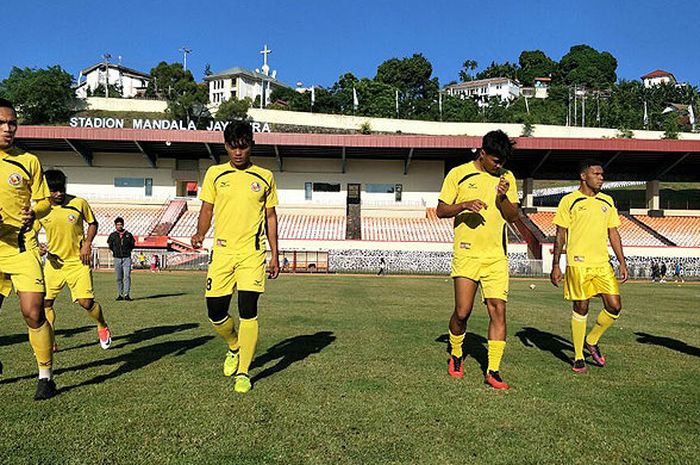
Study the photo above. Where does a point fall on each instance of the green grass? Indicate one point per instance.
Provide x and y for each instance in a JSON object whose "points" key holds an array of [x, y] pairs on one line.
{"points": [[352, 370]]}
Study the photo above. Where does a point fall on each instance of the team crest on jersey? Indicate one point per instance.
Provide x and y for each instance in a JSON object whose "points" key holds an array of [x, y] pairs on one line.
{"points": [[472, 185], [72, 218], [15, 180], [604, 208], [255, 186]]}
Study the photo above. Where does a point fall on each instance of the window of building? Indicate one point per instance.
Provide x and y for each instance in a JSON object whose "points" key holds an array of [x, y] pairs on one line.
{"points": [[129, 182], [326, 187], [308, 190], [379, 188]]}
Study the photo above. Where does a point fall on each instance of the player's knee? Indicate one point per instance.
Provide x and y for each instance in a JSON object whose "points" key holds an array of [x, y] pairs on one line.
{"points": [[86, 303], [248, 304], [497, 310], [462, 312], [217, 307], [581, 307], [614, 308]]}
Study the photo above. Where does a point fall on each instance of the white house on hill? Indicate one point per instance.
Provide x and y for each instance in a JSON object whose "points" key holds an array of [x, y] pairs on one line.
{"points": [[483, 89], [133, 83], [240, 83], [658, 77]]}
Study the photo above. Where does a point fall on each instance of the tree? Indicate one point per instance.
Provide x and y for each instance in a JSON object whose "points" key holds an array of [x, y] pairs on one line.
{"points": [[533, 64], [468, 67], [583, 65], [113, 91], [186, 99], [506, 70], [233, 109], [42, 96], [412, 78]]}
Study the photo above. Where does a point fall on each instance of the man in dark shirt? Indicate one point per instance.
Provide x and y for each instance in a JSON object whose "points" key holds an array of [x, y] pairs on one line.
{"points": [[121, 242]]}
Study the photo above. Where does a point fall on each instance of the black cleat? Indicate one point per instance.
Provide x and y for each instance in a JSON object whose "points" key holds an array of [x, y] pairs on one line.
{"points": [[127, 297], [120, 298], [45, 389]]}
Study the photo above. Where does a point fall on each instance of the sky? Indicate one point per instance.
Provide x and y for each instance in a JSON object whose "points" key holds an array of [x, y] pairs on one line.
{"points": [[314, 41]]}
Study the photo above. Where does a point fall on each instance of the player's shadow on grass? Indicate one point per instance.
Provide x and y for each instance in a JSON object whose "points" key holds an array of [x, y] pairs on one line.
{"points": [[140, 335], [289, 351], [160, 296], [127, 361], [474, 346], [11, 339], [546, 342], [669, 343]]}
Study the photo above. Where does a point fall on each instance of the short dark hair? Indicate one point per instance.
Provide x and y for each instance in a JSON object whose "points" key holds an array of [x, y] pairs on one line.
{"points": [[587, 163], [119, 219], [498, 144], [56, 180], [237, 132], [4, 103]]}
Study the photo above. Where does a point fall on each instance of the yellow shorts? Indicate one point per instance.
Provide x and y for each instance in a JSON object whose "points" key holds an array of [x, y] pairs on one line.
{"points": [[492, 274], [74, 273], [5, 285], [582, 283], [24, 271], [230, 271]]}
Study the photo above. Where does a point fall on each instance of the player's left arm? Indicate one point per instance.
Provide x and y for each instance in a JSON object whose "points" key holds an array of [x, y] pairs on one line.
{"points": [[507, 198], [40, 195], [86, 249], [616, 244], [271, 228]]}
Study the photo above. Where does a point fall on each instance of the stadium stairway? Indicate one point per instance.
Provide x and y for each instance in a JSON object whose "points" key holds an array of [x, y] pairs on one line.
{"points": [[171, 214]]}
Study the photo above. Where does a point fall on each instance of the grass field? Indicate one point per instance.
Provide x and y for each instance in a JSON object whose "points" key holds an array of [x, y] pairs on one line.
{"points": [[352, 370]]}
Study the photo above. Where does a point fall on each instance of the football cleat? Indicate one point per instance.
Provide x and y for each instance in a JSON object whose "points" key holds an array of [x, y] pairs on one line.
{"points": [[242, 383], [595, 353], [231, 363], [105, 337], [455, 367], [45, 389], [579, 366], [493, 379]]}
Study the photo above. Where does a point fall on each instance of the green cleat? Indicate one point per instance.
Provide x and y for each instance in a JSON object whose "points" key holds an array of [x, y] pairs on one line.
{"points": [[231, 363], [242, 383]]}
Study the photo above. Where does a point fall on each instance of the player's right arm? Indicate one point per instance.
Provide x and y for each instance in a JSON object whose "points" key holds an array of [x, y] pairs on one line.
{"points": [[447, 206], [203, 223], [556, 276]]}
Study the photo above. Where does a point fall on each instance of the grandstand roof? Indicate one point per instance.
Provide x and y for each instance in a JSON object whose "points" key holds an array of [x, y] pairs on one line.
{"points": [[537, 157]]}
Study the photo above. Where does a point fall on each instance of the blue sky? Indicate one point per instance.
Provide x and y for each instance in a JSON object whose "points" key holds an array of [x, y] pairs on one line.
{"points": [[314, 42]]}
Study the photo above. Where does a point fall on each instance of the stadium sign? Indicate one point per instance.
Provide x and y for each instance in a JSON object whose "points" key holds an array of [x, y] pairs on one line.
{"points": [[163, 124]]}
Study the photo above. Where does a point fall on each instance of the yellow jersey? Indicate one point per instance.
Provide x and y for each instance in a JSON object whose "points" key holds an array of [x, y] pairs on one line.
{"points": [[587, 220], [482, 234], [64, 227], [21, 181], [240, 198]]}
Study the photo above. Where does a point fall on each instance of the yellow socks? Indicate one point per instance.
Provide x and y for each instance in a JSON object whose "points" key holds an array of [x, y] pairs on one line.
{"points": [[456, 344], [41, 340], [248, 340], [496, 349], [95, 313], [50, 316], [578, 334], [604, 321], [227, 330]]}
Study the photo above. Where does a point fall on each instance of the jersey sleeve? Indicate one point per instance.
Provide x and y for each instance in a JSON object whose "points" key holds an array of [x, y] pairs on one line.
{"points": [[563, 216], [40, 190], [512, 193], [271, 199], [208, 192], [613, 217], [448, 193], [88, 215]]}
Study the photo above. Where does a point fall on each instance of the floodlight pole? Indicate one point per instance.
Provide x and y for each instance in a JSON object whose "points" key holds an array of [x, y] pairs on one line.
{"points": [[185, 51], [106, 56]]}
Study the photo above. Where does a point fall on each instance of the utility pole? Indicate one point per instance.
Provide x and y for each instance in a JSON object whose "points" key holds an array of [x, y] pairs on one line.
{"points": [[185, 51], [106, 56]]}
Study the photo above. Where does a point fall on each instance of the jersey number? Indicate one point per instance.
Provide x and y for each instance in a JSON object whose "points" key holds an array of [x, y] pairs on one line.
{"points": [[208, 284]]}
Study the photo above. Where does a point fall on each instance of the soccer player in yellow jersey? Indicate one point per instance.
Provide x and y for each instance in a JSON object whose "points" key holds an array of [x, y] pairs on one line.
{"points": [[69, 256], [241, 197], [585, 220], [21, 182], [481, 196]]}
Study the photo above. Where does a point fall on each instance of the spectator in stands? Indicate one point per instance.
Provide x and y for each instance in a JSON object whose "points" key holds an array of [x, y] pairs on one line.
{"points": [[121, 242]]}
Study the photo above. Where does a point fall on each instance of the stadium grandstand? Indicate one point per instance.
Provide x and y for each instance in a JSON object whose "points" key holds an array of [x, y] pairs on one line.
{"points": [[151, 179]]}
